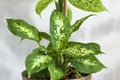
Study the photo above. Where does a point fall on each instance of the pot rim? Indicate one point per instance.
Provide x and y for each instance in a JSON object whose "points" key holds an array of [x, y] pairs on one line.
{"points": [[88, 76], [25, 75]]}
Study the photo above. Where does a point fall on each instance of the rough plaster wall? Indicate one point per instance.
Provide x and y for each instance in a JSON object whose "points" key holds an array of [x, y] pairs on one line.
{"points": [[103, 29]]}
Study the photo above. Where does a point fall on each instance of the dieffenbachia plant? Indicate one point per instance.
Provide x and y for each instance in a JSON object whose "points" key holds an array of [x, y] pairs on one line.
{"points": [[61, 54]]}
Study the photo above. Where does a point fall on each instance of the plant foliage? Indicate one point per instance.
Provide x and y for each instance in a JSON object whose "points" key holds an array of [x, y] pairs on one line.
{"points": [[61, 54]]}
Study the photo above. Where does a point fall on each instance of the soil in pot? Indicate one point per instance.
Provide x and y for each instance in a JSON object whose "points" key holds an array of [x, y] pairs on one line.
{"points": [[71, 77], [88, 77]]}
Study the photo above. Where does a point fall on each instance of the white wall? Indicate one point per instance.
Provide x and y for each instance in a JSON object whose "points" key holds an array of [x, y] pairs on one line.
{"points": [[103, 28]]}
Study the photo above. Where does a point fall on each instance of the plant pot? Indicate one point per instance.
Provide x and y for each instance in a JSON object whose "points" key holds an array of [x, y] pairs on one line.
{"points": [[24, 77]]}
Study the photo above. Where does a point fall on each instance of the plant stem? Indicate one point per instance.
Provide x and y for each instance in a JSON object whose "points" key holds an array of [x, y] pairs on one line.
{"points": [[60, 3], [56, 4], [65, 7], [73, 71]]}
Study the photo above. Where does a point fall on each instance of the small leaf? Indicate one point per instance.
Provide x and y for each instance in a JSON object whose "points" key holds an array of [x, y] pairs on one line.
{"points": [[49, 47], [40, 49], [41, 5], [22, 29], [42, 74], [44, 35], [75, 49], [59, 30], [87, 65], [36, 62], [88, 5], [50, 50], [55, 73], [69, 13], [78, 23]]}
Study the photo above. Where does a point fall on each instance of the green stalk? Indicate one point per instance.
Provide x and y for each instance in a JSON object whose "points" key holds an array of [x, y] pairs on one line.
{"points": [[60, 2], [56, 5]]}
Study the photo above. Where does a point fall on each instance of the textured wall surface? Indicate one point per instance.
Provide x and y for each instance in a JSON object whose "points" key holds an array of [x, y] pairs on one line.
{"points": [[103, 28]]}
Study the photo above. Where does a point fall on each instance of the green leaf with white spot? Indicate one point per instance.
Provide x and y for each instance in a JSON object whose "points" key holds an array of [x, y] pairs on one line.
{"points": [[44, 35], [88, 5], [55, 72], [87, 65], [59, 30], [23, 29], [78, 23], [41, 5], [77, 50], [36, 62]]}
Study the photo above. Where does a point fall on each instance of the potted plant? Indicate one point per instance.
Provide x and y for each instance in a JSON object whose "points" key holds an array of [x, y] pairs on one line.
{"points": [[61, 59]]}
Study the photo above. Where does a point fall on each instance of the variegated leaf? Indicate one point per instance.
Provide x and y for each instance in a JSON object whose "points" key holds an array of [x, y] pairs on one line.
{"points": [[36, 62], [75, 49], [87, 65], [23, 29], [55, 72], [59, 30], [88, 5]]}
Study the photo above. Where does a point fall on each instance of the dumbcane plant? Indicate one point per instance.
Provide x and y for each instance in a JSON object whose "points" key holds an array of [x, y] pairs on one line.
{"points": [[61, 57]]}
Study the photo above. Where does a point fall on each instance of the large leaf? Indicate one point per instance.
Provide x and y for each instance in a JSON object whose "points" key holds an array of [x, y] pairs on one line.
{"points": [[44, 35], [87, 65], [55, 73], [78, 23], [36, 62], [75, 49], [22, 29], [88, 5], [41, 5], [59, 30]]}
